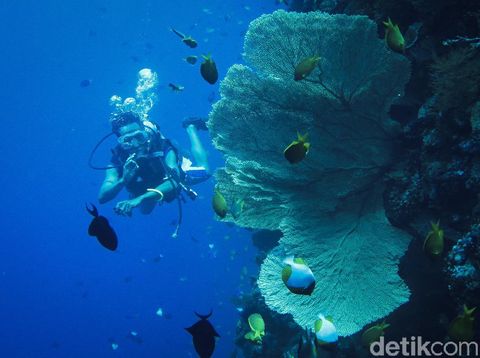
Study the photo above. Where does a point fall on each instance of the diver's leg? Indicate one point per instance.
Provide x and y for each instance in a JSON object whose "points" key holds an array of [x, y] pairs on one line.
{"points": [[198, 152]]}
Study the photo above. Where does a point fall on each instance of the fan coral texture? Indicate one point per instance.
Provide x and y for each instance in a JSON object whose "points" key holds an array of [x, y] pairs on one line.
{"points": [[329, 207]]}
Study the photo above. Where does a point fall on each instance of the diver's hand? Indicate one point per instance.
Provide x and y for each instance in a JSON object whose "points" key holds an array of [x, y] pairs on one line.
{"points": [[129, 169], [125, 207]]}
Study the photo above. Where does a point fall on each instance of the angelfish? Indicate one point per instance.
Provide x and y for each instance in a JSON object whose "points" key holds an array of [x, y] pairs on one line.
{"points": [[325, 330], [203, 335], [297, 276], [101, 229]]}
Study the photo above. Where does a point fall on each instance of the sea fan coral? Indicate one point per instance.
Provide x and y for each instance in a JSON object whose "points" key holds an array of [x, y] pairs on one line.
{"points": [[329, 207]]}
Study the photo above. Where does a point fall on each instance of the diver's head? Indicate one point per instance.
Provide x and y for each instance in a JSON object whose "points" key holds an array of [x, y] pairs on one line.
{"points": [[124, 119], [130, 131]]}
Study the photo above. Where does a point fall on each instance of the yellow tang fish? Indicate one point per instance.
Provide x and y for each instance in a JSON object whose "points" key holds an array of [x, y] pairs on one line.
{"points": [[297, 150], [393, 37], [305, 67]]}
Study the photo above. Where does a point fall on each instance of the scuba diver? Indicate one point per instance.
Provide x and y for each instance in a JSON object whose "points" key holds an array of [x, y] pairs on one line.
{"points": [[148, 166], [144, 162]]}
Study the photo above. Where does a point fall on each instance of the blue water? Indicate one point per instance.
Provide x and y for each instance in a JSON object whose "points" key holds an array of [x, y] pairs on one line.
{"points": [[61, 293]]}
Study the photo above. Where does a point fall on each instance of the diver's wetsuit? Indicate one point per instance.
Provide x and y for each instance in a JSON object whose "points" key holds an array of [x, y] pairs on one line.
{"points": [[151, 167]]}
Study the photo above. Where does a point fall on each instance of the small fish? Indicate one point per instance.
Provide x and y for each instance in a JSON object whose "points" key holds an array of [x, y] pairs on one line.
{"points": [[305, 67], [192, 59], [219, 204], [374, 333], [101, 229], [434, 241], [175, 87], [257, 326], [208, 69], [297, 276], [114, 346], [461, 329], [298, 149], [325, 330], [203, 335], [187, 40], [393, 37], [85, 83]]}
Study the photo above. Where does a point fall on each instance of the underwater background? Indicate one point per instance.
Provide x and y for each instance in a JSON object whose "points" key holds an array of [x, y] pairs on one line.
{"points": [[63, 295]]}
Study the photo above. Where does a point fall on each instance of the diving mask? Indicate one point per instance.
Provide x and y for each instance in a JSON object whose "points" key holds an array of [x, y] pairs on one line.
{"points": [[134, 139]]}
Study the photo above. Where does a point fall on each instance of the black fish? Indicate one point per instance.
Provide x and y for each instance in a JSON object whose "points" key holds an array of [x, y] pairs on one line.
{"points": [[203, 336], [208, 69], [100, 228]]}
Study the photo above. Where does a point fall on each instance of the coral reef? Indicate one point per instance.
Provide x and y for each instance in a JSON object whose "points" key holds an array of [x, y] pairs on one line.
{"points": [[455, 78], [437, 174], [440, 173], [463, 268], [281, 331], [329, 207]]}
